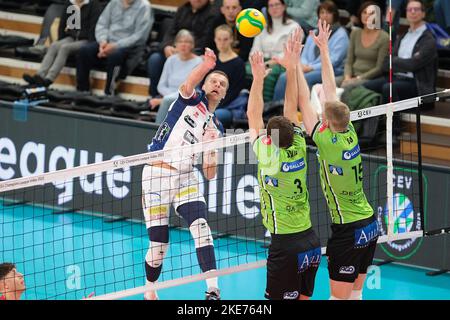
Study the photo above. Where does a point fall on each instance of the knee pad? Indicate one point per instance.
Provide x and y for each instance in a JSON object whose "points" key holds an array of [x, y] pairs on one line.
{"points": [[155, 254], [159, 233], [159, 241], [201, 233]]}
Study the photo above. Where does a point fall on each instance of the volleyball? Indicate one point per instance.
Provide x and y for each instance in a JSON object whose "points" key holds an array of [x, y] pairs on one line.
{"points": [[250, 22]]}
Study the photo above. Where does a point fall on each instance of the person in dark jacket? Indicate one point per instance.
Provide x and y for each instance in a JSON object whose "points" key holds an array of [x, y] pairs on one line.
{"points": [[74, 32], [123, 26], [196, 16], [415, 60], [229, 11]]}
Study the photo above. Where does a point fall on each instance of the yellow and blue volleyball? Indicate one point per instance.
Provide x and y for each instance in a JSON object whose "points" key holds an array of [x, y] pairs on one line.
{"points": [[250, 22]]}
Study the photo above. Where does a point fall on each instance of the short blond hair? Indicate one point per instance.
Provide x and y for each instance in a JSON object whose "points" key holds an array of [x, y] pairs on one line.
{"points": [[338, 114]]}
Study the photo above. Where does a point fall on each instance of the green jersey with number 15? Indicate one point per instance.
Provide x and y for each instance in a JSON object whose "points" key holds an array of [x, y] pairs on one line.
{"points": [[282, 181], [341, 174]]}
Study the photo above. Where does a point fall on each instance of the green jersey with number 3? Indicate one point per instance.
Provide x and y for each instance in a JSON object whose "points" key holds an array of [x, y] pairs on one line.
{"points": [[282, 180], [341, 174]]}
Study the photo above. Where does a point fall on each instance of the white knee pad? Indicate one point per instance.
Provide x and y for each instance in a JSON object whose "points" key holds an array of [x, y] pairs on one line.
{"points": [[201, 233], [155, 254]]}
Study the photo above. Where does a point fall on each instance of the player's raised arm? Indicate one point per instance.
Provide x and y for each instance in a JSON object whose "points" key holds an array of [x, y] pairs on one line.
{"points": [[198, 74], [255, 100], [328, 79], [289, 61]]}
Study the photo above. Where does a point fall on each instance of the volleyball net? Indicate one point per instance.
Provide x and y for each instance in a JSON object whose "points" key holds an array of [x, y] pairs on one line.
{"points": [[78, 230]]}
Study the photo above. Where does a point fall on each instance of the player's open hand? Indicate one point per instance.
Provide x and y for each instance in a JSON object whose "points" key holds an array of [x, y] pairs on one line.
{"points": [[292, 50], [259, 70], [209, 59], [321, 40]]}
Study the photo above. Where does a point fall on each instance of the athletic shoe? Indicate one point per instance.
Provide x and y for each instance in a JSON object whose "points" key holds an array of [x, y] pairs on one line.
{"points": [[28, 78], [212, 294]]}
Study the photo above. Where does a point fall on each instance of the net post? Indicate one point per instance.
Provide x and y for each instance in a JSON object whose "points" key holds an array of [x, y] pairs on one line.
{"points": [[419, 162], [390, 168]]}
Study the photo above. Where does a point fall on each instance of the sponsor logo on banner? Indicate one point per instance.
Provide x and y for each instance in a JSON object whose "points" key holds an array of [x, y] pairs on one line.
{"points": [[293, 166], [351, 154], [405, 216]]}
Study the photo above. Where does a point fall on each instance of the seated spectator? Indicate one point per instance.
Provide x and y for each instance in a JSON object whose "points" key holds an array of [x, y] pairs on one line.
{"points": [[12, 284], [176, 68], [196, 16], [123, 26], [70, 41], [415, 60], [233, 106], [312, 66], [229, 11], [366, 53], [303, 11], [271, 41], [442, 13]]}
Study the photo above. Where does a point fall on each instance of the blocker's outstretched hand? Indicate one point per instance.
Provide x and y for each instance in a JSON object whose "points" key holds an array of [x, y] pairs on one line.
{"points": [[321, 40]]}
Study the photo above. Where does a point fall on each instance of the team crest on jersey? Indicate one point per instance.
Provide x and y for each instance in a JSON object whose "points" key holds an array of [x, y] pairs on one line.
{"points": [[337, 171], [273, 182], [351, 154], [293, 166], [334, 140]]}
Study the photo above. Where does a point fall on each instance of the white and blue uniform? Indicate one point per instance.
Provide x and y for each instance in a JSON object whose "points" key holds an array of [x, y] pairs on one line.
{"points": [[184, 124]]}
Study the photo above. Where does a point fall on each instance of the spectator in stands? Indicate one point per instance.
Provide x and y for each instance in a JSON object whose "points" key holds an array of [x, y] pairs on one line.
{"points": [[71, 39], [123, 26], [12, 284], [442, 13], [176, 68], [233, 106], [415, 60], [303, 11], [366, 53], [312, 66], [196, 16], [271, 41], [229, 11]]}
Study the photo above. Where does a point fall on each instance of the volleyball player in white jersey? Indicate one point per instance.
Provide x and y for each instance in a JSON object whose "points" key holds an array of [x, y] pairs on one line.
{"points": [[190, 120]]}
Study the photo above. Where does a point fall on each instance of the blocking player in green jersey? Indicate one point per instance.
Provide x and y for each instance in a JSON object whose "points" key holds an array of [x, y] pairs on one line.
{"points": [[351, 248], [294, 253]]}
